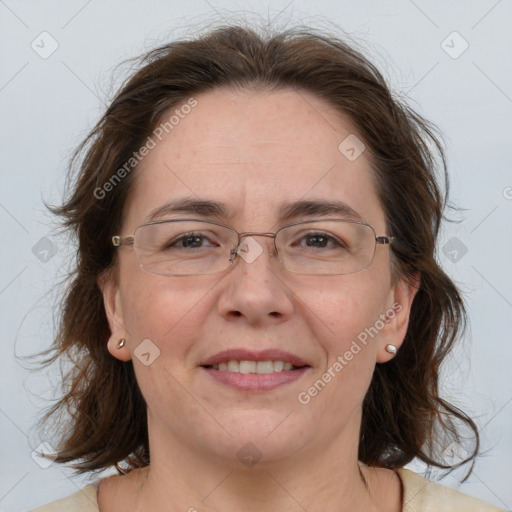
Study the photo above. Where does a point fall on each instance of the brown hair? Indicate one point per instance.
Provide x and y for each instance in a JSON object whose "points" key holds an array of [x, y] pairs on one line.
{"points": [[403, 414]]}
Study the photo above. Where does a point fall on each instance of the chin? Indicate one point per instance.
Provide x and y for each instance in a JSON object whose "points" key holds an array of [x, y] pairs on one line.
{"points": [[261, 438]]}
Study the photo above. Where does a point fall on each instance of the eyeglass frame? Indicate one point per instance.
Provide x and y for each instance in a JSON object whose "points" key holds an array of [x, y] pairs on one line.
{"points": [[129, 241]]}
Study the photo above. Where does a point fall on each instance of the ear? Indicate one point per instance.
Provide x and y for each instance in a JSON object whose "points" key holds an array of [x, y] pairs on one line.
{"points": [[399, 307], [107, 283]]}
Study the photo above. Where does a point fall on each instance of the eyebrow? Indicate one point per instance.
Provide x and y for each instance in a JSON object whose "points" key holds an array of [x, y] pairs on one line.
{"points": [[202, 207], [313, 208], [287, 211]]}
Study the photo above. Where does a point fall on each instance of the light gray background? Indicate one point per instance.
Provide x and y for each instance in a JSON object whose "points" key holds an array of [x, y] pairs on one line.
{"points": [[48, 105]]}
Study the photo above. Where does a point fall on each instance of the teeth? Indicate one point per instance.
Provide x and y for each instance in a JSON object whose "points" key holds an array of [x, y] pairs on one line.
{"points": [[260, 367], [278, 366], [247, 367], [264, 367], [233, 366]]}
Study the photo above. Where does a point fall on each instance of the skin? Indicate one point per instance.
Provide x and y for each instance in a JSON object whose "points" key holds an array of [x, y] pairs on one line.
{"points": [[254, 150]]}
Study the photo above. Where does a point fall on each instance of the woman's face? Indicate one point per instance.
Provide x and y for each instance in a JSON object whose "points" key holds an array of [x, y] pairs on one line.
{"points": [[254, 153]]}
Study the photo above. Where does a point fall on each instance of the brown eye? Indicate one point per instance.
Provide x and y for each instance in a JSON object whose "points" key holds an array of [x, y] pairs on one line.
{"points": [[320, 240], [188, 241]]}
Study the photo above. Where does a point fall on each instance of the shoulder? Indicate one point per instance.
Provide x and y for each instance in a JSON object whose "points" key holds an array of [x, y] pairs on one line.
{"points": [[422, 495], [82, 501]]}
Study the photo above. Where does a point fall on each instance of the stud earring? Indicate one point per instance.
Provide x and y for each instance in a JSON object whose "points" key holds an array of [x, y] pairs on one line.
{"points": [[121, 343], [391, 349]]}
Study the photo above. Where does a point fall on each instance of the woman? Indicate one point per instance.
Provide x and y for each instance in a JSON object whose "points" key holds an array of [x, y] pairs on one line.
{"points": [[257, 319]]}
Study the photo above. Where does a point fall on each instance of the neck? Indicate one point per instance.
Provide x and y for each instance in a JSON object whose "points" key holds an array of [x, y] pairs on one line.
{"points": [[254, 491], [182, 478]]}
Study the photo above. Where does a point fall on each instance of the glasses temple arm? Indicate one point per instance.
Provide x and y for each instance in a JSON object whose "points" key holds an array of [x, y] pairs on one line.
{"points": [[122, 241]]}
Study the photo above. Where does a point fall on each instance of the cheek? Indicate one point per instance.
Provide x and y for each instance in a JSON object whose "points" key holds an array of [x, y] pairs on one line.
{"points": [[167, 311], [164, 309], [343, 315], [342, 307], [341, 318]]}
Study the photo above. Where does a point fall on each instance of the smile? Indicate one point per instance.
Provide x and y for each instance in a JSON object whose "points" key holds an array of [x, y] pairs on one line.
{"points": [[248, 370], [256, 367]]}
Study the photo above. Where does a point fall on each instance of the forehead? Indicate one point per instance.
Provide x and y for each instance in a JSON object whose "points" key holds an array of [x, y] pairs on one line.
{"points": [[255, 150]]}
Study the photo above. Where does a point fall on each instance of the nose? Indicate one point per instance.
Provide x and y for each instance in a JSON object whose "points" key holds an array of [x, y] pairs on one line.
{"points": [[255, 288]]}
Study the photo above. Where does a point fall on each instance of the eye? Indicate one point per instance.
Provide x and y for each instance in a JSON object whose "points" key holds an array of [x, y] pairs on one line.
{"points": [[320, 240], [317, 240], [189, 241]]}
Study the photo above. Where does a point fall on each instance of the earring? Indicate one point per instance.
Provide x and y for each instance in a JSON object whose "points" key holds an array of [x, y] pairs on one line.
{"points": [[121, 343], [391, 349]]}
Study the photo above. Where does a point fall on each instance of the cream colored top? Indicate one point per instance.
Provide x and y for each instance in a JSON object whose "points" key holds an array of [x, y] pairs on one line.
{"points": [[419, 495]]}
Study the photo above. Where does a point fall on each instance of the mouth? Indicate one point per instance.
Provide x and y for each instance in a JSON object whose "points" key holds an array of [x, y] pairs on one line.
{"points": [[255, 371], [254, 367]]}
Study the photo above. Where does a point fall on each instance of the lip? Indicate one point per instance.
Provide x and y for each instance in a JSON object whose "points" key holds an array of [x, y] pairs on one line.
{"points": [[254, 381], [240, 354]]}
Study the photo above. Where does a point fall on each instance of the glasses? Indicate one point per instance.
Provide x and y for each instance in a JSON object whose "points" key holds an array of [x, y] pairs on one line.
{"points": [[187, 247]]}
